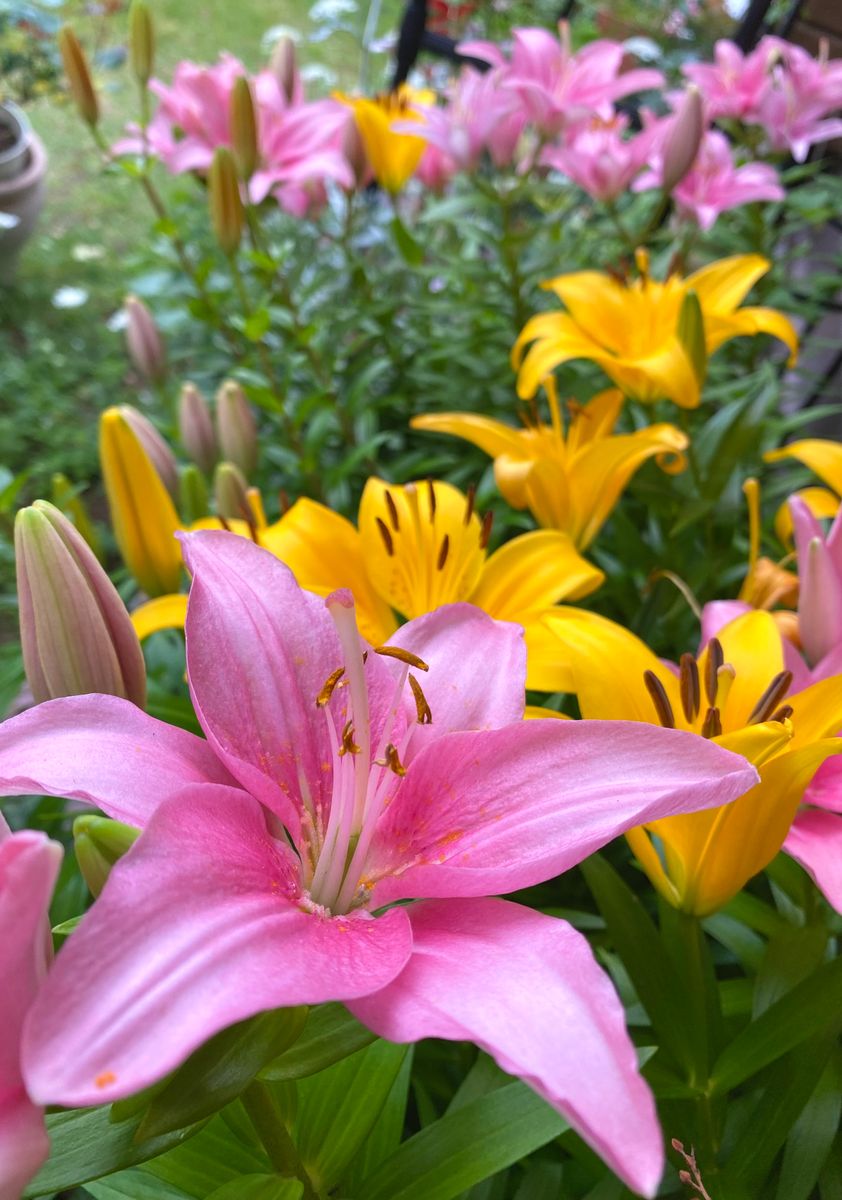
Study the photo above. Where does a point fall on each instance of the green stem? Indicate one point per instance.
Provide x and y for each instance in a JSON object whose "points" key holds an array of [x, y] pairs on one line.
{"points": [[510, 258], [268, 1122]]}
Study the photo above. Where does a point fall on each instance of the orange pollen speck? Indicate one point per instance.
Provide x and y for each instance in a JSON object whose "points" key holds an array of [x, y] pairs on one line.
{"points": [[105, 1079]]}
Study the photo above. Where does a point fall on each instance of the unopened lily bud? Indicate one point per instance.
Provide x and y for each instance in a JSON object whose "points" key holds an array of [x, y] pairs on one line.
{"points": [[143, 341], [76, 634], [226, 205], [141, 41], [684, 138], [284, 66], [78, 76], [691, 334], [353, 149], [244, 128], [196, 427], [193, 495], [142, 514], [66, 498], [231, 494], [236, 428], [99, 843], [160, 455]]}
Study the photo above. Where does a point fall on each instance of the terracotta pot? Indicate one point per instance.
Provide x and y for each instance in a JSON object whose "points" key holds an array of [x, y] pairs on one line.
{"points": [[23, 165]]}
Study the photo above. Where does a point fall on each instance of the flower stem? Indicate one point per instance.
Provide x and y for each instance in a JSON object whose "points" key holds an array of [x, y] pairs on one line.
{"points": [[265, 1115]]}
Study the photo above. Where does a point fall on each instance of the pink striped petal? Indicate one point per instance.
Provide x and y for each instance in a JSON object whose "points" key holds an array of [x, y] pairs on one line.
{"points": [[525, 987], [484, 813], [199, 926], [815, 841], [104, 751]]}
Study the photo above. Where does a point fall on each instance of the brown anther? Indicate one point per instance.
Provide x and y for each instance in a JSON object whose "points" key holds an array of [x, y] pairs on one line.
{"points": [[330, 683], [712, 724], [422, 708], [783, 713], [393, 511], [660, 699], [691, 699], [392, 761], [283, 501], [386, 536], [442, 559], [485, 532], [405, 656], [771, 698], [252, 528], [224, 523], [431, 494], [470, 496], [349, 746], [716, 659]]}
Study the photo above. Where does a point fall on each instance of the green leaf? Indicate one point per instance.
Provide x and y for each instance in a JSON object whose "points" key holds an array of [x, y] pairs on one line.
{"points": [[84, 1144], [338, 1108], [463, 1148], [385, 1137], [217, 1155], [134, 1184], [221, 1069], [812, 1136], [259, 1187], [790, 957], [411, 251], [811, 1006], [257, 325], [330, 1034]]}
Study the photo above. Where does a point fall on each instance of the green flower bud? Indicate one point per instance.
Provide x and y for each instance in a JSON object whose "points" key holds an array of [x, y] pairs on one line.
{"points": [[244, 128], [141, 42], [196, 428], [236, 427], [226, 205], [99, 843]]}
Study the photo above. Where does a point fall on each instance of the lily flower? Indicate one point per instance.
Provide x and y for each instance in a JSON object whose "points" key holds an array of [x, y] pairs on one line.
{"points": [[29, 864], [569, 478], [824, 458], [633, 330], [737, 693], [387, 790], [393, 154]]}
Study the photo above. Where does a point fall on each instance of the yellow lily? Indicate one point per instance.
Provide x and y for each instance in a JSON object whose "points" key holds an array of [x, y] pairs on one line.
{"points": [[645, 334], [735, 692], [393, 156], [418, 546], [824, 458], [569, 479], [143, 516]]}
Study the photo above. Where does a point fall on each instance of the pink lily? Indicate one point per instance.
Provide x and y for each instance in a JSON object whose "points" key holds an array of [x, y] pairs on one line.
{"points": [[480, 116], [734, 84], [444, 796], [714, 184], [558, 88], [29, 863], [794, 108], [599, 159]]}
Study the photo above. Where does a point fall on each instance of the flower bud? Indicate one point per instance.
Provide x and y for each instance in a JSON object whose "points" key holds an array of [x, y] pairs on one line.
{"points": [[353, 150], [196, 427], [284, 66], [231, 494], [143, 341], [235, 427], [76, 635], [682, 143], [78, 76], [244, 128], [691, 334], [66, 498], [157, 450], [99, 843], [143, 515], [226, 205], [193, 494], [141, 42]]}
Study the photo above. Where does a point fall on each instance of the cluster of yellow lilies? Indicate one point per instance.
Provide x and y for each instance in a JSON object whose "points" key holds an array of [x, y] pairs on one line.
{"points": [[422, 544]]}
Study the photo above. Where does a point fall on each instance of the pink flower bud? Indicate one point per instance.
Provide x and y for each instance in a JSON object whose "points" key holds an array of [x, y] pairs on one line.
{"points": [[156, 449], [284, 66], [236, 428], [353, 150], [682, 143], [143, 341], [196, 428], [76, 634]]}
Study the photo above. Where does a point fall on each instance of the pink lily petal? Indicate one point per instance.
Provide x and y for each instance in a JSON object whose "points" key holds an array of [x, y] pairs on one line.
{"points": [[525, 987], [259, 651], [825, 790], [491, 812], [104, 751], [199, 926], [717, 613], [477, 668], [815, 841], [29, 864]]}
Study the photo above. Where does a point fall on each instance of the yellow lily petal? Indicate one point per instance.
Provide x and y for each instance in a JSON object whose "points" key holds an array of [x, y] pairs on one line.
{"points": [[723, 285], [752, 645], [512, 476], [419, 550], [667, 374], [821, 503], [594, 421], [164, 612], [393, 156], [817, 711], [535, 712], [746, 322], [493, 437], [325, 552], [559, 339], [644, 851], [532, 572], [597, 303], [820, 455], [607, 664], [142, 513]]}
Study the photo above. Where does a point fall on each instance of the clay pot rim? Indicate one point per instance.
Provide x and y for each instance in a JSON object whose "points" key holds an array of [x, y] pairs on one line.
{"points": [[34, 169]]}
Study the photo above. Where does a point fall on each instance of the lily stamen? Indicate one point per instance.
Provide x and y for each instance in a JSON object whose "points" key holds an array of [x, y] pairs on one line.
{"points": [[391, 759], [485, 532], [442, 558], [783, 713], [404, 656], [349, 746], [469, 505], [431, 493], [660, 699], [386, 536], [716, 659], [771, 698], [328, 687], [393, 510], [690, 687], [422, 708], [712, 725]]}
